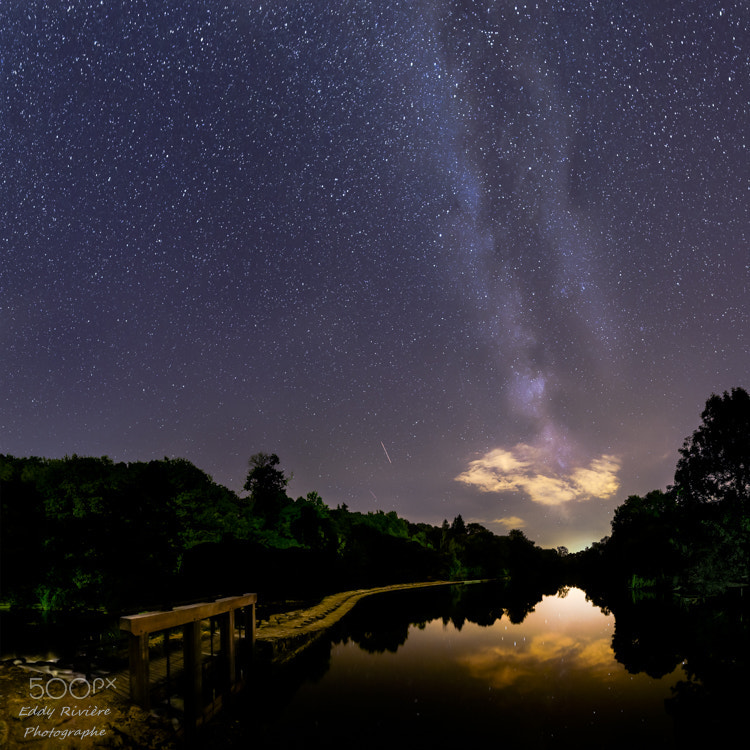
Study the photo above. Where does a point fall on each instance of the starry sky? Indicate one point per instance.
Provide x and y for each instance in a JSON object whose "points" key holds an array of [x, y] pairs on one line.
{"points": [[441, 257]]}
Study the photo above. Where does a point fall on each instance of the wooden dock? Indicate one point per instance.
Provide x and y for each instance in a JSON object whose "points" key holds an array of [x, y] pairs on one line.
{"points": [[189, 658]]}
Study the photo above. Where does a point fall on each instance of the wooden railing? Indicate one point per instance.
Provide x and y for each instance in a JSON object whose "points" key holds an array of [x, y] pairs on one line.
{"points": [[143, 626]]}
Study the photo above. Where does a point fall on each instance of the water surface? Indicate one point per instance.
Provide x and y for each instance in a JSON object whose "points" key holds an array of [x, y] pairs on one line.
{"points": [[393, 677]]}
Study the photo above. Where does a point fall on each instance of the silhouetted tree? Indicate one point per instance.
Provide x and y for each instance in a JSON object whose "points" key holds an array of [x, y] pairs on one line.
{"points": [[712, 487], [267, 487], [519, 539], [310, 522], [715, 461], [458, 527]]}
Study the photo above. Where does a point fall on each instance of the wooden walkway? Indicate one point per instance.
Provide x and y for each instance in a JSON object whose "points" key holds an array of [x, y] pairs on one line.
{"points": [[165, 673], [187, 658]]}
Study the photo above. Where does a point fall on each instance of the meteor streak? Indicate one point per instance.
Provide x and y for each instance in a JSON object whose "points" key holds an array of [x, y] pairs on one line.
{"points": [[386, 453]]}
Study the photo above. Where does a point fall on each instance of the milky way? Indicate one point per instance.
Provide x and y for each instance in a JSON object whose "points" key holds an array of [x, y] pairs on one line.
{"points": [[442, 258]]}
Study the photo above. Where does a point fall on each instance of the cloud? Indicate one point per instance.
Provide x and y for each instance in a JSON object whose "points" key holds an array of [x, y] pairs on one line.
{"points": [[532, 471], [548, 653], [600, 479], [510, 522]]}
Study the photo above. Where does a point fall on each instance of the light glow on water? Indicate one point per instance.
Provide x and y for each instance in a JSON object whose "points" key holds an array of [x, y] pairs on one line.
{"points": [[552, 676], [563, 637]]}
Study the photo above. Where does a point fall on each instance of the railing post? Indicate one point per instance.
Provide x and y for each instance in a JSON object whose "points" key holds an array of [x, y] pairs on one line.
{"points": [[250, 631], [138, 657], [226, 638], [191, 636]]}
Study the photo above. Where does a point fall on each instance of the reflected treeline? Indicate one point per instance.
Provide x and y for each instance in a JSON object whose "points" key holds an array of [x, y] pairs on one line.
{"points": [[708, 639], [377, 624], [381, 623]]}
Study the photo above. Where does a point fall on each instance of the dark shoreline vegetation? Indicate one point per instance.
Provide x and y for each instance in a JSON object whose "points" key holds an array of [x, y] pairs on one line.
{"points": [[88, 533]]}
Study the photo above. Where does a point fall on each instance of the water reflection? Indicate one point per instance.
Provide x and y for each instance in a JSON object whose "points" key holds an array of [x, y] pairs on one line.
{"points": [[565, 638], [708, 640], [550, 678], [454, 666]]}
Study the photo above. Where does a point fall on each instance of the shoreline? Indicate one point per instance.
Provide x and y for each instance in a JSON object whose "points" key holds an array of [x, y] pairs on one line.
{"points": [[284, 635]]}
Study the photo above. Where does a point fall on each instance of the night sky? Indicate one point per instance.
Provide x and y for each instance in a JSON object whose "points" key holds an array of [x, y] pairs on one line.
{"points": [[441, 257]]}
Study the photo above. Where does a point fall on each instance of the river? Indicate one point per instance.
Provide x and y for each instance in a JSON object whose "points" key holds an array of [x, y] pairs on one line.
{"points": [[458, 669]]}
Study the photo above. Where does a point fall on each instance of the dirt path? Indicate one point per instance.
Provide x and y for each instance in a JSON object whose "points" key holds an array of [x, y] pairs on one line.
{"points": [[283, 636], [327, 612]]}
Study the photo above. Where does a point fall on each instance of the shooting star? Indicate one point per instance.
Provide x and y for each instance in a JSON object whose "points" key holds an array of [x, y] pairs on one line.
{"points": [[386, 453]]}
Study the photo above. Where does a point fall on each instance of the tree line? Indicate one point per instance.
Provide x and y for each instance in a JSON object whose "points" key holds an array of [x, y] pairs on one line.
{"points": [[89, 532], [83, 532]]}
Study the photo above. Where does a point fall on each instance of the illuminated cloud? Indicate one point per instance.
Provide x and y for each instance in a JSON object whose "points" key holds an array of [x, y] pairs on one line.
{"points": [[600, 479], [531, 471], [547, 653], [510, 522]]}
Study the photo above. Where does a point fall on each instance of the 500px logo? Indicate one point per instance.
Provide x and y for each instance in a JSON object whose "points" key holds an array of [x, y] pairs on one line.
{"points": [[38, 690]]}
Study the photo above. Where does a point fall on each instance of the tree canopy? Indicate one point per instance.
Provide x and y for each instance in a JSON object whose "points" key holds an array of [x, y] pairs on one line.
{"points": [[267, 487], [715, 460], [263, 477]]}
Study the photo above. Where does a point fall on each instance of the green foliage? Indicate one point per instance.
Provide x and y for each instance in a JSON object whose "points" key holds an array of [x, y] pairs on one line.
{"points": [[424, 535], [456, 570], [637, 514], [100, 533], [636, 582], [49, 598], [96, 532]]}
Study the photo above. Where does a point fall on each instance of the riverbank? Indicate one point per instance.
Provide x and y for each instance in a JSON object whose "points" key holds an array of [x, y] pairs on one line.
{"points": [[44, 723]]}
